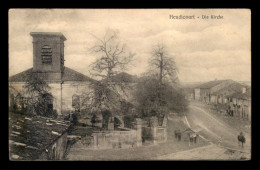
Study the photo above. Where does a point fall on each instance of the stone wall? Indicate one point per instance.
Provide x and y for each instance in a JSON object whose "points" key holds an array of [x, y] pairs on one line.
{"points": [[160, 134], [57, 150], [125, 138], [129, 138], [155, 133], [60, 145]]}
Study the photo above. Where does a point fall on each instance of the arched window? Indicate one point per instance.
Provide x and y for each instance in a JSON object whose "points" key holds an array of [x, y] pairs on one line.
{"points": [[76, 101], [46, 54], [49, 102]]}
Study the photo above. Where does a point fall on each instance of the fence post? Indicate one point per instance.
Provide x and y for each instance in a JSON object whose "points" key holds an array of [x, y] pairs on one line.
{"points": [[95, 140], [138, 132], [111, 123], [154, 126], [165, 128]]}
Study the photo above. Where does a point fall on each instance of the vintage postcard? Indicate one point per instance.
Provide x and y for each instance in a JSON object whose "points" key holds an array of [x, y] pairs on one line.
{"points": [[129, 84]]}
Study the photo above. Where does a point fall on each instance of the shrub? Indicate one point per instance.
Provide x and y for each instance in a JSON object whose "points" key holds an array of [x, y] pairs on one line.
{"points": [[117, 122], [128, 121]]}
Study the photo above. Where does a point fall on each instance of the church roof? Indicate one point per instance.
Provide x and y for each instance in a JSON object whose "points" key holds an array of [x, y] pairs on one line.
{"points": [[72, 75], [68, 75], [21, 77]]}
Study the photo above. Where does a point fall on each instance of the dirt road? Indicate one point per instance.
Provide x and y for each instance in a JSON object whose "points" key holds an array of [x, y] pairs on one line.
{"points": [[215, 130]]}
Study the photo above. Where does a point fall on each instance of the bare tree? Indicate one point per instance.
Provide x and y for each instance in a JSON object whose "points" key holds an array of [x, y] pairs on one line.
{"points": [[112, 57], [163, 64]]}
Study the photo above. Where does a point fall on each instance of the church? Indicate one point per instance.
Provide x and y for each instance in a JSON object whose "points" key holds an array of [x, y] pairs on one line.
{"points": [[48, 62]]}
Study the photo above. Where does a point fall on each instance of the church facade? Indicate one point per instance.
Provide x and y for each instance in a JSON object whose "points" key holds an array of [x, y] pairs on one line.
{"points": [[48, 62]]}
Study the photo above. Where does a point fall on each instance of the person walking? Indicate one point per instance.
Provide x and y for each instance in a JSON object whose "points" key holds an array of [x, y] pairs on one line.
{"points": [[241, 138], [179, 135]]}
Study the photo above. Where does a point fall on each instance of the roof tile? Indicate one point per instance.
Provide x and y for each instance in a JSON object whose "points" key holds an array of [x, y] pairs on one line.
{"points": [[34, 136]]}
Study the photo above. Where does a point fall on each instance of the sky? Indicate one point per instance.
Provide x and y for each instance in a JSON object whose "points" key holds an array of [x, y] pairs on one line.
{"points": [[203, 49]]}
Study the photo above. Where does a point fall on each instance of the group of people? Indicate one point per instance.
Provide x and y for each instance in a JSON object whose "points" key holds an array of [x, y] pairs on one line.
{"points": [[193, 137], [230, 111]]}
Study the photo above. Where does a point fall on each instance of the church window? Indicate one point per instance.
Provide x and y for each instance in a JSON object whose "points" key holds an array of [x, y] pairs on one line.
{"points": [[76, 101], [46, 54]]}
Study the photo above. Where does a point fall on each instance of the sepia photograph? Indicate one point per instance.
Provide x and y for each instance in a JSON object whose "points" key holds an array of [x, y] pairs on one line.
{"points": [[129, 84]]}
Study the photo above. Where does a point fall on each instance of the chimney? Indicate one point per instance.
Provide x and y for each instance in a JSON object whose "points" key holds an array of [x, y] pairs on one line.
{"points": [[243, 90]]}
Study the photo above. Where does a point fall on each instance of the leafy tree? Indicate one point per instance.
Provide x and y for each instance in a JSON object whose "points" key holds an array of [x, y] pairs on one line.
{"points": [[158, 92], [128, 120], [151, 104], [38, 95]]}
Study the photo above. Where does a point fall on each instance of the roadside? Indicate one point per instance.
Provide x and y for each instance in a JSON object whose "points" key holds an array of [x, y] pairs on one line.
{"points": [[235, 122], [216, 129]]}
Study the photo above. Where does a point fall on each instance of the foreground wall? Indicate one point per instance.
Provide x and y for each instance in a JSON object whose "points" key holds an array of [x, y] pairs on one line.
{"points": [[57, 150], [115, 139]]}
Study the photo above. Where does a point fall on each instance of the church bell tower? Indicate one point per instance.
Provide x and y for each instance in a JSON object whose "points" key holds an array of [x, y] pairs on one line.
{"points": [[48, 55]]}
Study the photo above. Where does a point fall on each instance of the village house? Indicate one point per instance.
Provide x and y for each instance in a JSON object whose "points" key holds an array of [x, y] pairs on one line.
{"points": [[228, 95], [66, 84], [240, 103], [214, 91], [37, 138], [220, 96]]}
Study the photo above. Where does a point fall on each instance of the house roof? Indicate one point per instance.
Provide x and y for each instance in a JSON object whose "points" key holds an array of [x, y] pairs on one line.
{"points": [[240, 95], [229, 89], [211, 84], [29, 137], [68, 75]]}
